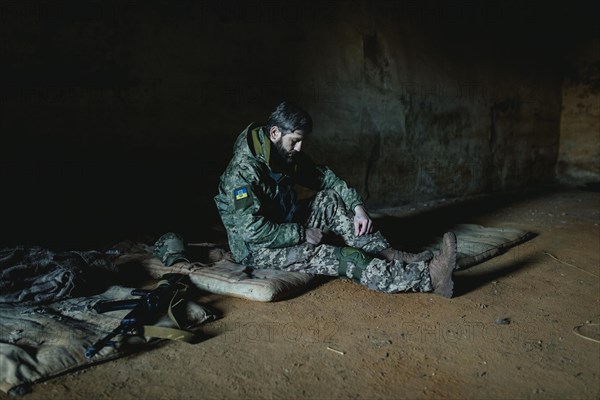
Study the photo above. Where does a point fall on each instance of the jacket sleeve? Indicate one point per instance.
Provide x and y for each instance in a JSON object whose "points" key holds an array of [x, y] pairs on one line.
{"points": [[322, 178], [250, 217], [348, 194]]}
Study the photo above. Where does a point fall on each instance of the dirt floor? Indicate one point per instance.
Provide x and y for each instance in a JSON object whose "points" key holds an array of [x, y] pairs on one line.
{"points": [[508, 333]]}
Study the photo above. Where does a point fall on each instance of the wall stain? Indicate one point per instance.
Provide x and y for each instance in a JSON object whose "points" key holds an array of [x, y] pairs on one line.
{"points": [[376, 64]]}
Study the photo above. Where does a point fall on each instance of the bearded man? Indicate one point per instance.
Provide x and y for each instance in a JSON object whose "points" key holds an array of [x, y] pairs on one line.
{"points": [[267, 227]]}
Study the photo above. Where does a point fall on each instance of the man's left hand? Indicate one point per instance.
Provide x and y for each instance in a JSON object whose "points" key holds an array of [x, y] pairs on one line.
{"points": [[362, 223]]}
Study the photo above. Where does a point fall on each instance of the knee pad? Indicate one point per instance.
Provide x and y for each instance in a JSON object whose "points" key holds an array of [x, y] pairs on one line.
{"points": [[357, 257]]}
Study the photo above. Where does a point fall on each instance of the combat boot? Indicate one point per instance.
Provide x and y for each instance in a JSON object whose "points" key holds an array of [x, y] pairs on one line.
{"points": [[393, 254], [442, 265]]}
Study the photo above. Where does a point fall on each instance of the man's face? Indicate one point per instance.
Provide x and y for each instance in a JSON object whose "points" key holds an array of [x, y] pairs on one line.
{"points": [[289, 145]]}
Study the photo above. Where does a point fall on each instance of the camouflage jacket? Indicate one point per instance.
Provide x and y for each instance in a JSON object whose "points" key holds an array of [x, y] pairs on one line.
{"points": [[249, 200]]}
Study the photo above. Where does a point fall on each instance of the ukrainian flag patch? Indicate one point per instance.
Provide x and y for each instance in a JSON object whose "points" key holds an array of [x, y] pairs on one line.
{"points": [[241, 193], [242, 197]]}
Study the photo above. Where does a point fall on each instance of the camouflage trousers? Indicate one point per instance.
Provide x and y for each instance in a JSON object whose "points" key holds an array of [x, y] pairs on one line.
{"points": [[328, 213]]}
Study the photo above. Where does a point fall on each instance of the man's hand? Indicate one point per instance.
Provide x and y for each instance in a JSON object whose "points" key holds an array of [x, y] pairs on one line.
{"points": [[362, 223], [314, 236]]}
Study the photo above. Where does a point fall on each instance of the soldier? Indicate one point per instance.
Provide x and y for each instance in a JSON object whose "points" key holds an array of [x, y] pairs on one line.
{"points": [[268, 228]]}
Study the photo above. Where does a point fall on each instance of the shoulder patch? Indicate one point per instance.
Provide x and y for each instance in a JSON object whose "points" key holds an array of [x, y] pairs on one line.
{"points": [[241, 193], [242, 197]]}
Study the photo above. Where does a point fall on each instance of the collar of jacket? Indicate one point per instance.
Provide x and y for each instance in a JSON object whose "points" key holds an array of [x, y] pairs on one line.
{"points": [[260, 144]]}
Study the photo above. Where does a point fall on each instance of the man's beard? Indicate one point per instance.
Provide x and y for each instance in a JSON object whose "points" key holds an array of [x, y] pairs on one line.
{"points": [[287, 156]]}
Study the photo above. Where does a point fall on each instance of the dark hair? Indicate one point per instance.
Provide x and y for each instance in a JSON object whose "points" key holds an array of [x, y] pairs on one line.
{"points": [[288, 117]]}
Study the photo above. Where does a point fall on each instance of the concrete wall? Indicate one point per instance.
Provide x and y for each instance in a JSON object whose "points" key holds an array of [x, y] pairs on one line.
{"points": [[426, 107], [120, 116], [579, 156]]}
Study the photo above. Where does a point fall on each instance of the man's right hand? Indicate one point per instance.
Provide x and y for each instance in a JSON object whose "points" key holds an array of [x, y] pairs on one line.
{"points": [[314, 235]]}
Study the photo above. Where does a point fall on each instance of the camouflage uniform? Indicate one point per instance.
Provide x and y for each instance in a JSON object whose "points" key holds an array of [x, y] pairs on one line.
{"points": [[266, 229]]}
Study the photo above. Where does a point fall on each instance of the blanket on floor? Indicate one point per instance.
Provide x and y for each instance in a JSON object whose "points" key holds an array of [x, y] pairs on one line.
{"points": [[34, 275], [42, 341], [476, 243]]}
